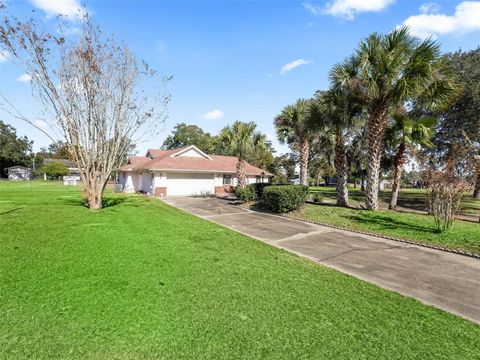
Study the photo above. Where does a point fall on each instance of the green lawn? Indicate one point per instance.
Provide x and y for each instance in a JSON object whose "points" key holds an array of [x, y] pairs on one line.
{"points": [[409, 198], [410, 226], [141, 280]]}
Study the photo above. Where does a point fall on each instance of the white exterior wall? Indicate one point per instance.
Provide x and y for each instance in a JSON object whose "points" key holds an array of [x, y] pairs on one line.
{"points": [[130, 182], [191, 153]]}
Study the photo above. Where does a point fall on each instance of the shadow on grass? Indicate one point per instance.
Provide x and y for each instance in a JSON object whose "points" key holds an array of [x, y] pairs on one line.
{"points": [[107, 202], [9, 211], [382, 222]]}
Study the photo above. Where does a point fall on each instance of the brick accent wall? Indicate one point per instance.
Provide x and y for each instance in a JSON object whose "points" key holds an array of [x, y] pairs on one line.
{"points": [[224, 190], [160, 191]]}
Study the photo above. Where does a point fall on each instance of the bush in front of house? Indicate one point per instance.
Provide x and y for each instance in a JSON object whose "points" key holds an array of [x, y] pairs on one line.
{"points": [[245, 194], [259, 189], [285, 198]]}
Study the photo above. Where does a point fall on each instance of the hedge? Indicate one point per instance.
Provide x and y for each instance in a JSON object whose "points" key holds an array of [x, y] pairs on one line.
{"points": [[245, 194], [285, 198]]}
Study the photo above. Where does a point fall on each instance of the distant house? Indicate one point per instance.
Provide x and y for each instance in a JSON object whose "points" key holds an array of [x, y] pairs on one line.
{"points": [[19, 173], [73, 172], [184, 171]]}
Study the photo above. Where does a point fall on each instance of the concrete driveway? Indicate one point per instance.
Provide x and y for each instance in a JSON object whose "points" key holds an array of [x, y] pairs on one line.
{"points": [[447, 281]]}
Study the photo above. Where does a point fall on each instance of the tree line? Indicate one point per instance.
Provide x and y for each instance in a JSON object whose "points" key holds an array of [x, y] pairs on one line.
{"points": [[396, 98]]}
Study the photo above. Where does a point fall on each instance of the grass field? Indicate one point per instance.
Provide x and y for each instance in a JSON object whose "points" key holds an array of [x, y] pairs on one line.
{"points": [[142, 280], [408, 198]]}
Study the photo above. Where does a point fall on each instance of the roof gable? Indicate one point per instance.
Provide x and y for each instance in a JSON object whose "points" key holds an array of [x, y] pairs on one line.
{"points": [[191, 151]]}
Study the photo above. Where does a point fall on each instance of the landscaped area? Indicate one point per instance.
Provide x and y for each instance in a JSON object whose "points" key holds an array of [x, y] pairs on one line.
{"points": [[408, 199], [141, 279]]}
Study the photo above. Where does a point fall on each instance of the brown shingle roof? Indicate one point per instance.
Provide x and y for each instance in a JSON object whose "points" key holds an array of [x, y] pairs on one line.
{"points": [[164, 161]]}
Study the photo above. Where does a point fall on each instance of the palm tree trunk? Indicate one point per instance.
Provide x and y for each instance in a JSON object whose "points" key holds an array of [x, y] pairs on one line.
{"points": [[342, 172], [397, 175], [376, 129], [241, 177], [304, 154]]}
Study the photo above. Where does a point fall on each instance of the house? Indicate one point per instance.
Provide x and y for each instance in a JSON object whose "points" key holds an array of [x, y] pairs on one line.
{"points": [[73, 172], [19, 173], [184, 171]]}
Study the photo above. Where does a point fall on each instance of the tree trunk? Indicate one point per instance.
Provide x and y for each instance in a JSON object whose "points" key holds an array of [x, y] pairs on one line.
{"points": [[376, 129], [241, 177], [397, 175], [342, 171], [476, 191], [304, 154], [93, 188], [362, 186]]}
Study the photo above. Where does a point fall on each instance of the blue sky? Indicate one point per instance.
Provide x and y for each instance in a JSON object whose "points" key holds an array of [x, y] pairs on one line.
{"points": [[226, 57]]}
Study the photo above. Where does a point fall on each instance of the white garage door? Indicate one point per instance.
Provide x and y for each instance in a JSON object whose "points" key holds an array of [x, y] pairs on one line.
{"points": [[190, 184]]}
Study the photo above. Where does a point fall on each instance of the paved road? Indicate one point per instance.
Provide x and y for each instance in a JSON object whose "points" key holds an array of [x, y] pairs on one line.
{"points": [[447, 281]]}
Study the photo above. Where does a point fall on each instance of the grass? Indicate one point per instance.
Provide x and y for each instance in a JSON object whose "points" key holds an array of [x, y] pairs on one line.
{"points": [[414, 199], [143, 280], [410, 226]]}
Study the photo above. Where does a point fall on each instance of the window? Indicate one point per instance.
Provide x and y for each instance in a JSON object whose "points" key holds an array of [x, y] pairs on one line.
{"points": [[258, 179], [227, 179]]}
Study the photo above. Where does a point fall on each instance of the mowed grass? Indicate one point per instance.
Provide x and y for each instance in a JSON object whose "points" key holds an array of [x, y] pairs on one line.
{"points": [[409, 226], [415, 199], [142, 280]]}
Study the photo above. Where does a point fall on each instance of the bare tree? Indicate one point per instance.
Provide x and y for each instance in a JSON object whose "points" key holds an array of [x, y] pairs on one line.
{"points": [[93, 92]]}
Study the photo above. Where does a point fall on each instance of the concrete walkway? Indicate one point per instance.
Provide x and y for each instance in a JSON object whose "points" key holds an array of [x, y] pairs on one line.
{"points": [[447, 281]]}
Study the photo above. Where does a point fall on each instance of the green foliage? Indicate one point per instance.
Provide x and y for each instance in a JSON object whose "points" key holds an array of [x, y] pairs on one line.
{"points": [[258, 188], [285, 198], [54, 169], [245, 194], [317, 197], [13, 149], [186, 135]]}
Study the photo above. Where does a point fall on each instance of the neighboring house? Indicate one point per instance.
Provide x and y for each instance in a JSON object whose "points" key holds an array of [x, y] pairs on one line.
{"points": [[19, 173], [184, 171], [73, 172]]}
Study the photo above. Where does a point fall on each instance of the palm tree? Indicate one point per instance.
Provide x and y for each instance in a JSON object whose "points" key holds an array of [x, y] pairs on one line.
{"points": [[393, 69], [295, 126], [403, 131], [243, 141], [341, 111]]}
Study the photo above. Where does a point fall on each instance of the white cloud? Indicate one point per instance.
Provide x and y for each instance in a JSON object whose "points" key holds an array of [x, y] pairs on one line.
{"points": [[72, 9], [431, 23], [212, 115], [290, 66], [41, 124], [430, 8], [24, 78], [348, 8], [3, 56]]}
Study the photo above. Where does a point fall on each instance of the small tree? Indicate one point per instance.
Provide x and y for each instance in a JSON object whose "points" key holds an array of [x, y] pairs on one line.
{"points": [[54, 169], [445, 191], [90, 88]]}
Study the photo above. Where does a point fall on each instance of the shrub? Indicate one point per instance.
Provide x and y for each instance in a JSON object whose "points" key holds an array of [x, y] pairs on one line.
{"points": [[282, 199], [55, 169], [317, 197], [245, 194], [259, 189], [444, 196]]}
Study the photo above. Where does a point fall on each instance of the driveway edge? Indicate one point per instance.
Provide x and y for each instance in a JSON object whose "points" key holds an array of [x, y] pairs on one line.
{"points": [[411, 242]]}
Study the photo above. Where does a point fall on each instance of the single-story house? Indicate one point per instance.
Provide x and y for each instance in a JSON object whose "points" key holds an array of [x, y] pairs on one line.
{"points": [[184, 171], [19, 173]]}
